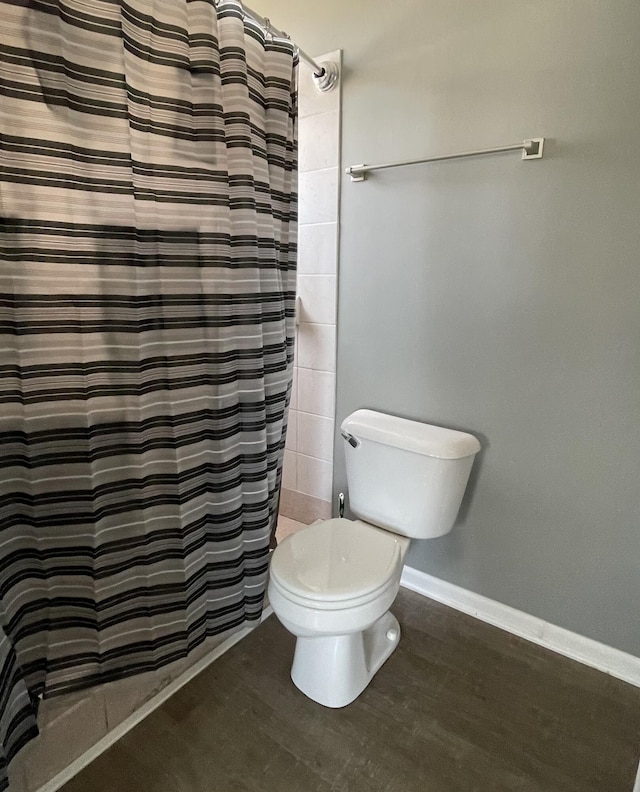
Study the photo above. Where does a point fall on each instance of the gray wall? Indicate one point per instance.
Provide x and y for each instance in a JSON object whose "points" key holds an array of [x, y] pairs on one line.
{"points": [[500, 296]]}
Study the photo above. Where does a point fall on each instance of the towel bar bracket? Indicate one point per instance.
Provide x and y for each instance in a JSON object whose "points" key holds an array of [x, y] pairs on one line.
{"points": [[532, 148], [357, 172]]}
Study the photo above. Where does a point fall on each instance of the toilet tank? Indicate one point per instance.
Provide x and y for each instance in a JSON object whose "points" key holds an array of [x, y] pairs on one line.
{"points": [[406, 476]]}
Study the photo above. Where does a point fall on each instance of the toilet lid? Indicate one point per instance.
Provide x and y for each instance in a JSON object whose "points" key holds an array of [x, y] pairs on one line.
{"points": [[336, 560]]}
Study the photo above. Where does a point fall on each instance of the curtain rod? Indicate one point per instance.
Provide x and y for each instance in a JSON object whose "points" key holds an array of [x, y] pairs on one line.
{"points": [[531, 149], [325, 75]]}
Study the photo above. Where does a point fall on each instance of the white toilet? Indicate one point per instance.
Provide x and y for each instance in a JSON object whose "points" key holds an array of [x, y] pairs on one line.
{"points": [[332, 583]]}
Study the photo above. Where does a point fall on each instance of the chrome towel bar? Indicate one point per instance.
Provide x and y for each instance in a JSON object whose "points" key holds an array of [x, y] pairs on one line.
{"points": [[531, 149]]}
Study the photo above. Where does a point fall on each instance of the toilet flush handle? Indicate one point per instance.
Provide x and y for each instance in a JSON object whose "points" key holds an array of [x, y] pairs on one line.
{"points": [[353, 441]]}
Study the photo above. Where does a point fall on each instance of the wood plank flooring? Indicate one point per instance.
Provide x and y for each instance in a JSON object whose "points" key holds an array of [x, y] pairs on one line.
{"points": [[459, 707]]}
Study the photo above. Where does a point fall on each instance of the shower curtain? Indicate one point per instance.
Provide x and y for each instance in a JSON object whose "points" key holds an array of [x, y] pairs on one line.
{"points": [[147, 287]]}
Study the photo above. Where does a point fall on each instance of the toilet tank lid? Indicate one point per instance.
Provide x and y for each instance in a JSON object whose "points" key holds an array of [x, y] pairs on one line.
{"points": [[422, 438]]}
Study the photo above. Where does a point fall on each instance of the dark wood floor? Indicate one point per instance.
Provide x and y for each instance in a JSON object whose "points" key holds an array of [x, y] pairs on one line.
{"points": [[459, 707]]}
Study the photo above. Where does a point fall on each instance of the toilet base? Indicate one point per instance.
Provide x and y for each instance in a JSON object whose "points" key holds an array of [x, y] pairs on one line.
{"points": [[334, 669]]}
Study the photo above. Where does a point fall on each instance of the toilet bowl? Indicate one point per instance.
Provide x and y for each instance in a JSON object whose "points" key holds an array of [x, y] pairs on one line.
{"points": [[332, 583]]}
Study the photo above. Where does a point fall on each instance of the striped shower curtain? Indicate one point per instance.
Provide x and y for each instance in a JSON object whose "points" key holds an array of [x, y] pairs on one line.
{"points": [[147, 284]]}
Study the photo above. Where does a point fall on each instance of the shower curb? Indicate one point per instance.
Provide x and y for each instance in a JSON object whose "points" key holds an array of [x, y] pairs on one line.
{"points": [[147, 708]]}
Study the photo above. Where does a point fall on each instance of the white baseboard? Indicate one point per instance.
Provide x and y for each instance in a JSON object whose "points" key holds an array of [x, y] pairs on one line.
{"points": [[577, 647], [146, 709]]}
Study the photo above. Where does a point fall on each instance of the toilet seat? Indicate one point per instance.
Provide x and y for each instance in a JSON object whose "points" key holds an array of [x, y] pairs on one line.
{"points": [[337, 564], [334, 605]]}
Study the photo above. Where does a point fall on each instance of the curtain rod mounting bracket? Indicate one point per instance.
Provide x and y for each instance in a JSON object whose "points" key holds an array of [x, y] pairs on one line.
{"points": [[327, 78]]}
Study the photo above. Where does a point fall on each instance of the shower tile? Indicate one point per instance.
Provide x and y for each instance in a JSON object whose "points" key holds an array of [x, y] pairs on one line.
{"points": [[317, 346], [318, 298], [293, 404], [125, 696], [318, 142], [317, 392], [289, 470], [315, 477], [318, 196], [318, 249], [70, 725], [287, 526], [292, 431], [17, 776], [304, 508], [315, 437]]}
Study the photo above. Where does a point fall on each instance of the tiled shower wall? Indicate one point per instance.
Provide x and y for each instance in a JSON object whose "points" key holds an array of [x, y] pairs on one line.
{"points": [[308, 461]]}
